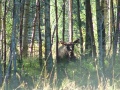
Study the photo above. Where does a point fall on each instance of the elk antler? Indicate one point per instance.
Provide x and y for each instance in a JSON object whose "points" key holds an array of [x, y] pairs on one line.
{"points": [[76, 41], [69, 43], [64, 43], [61, 42]]}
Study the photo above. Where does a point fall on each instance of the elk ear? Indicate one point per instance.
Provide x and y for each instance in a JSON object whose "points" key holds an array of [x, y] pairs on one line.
{"points": [[76, 41], [61, 42]]}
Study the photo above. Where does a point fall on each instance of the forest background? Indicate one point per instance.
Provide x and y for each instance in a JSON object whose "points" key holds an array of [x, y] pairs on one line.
{"points": [[30, 35]]}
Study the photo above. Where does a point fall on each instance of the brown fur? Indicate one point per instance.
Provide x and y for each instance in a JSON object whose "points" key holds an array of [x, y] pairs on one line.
{"points": [[66, 50]]}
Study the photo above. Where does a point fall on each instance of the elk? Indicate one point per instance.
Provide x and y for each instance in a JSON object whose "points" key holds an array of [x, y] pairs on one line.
{"points": [[66, 51]]}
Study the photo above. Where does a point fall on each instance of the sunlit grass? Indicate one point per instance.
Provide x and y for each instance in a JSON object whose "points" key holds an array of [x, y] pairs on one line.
{"points": [[79, 75]]}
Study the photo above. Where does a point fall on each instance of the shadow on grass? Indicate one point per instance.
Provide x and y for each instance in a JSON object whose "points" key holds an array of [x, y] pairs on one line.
{"points": [[80, 75]]}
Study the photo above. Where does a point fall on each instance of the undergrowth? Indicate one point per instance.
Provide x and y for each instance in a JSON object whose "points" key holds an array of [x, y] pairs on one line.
{"points": [[79, 75]]}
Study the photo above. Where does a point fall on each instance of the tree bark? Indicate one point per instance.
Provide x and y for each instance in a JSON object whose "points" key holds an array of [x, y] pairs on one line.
{"points": [[33, 31], [48, 53], [88, 33], [100, 29], [110, 24], [13, 39], [4, 36], [56, 15], [12, 57], [79, 25], [90, 41], [103, 27], [0, 42], [70, 21], [21, 27], [39, 31], [115, 41], [63, 31], [0, 17], [25, 40]]}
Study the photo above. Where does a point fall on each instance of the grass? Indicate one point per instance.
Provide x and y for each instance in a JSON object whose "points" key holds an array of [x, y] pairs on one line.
{"points": [[69, 76]]}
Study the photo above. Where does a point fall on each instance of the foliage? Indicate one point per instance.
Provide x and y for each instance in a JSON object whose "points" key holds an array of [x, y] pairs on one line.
{"points": [[72, 75], [81, 73]]}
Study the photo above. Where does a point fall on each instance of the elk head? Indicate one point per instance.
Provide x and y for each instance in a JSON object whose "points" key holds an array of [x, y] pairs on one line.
{"points": [[67, 49]]}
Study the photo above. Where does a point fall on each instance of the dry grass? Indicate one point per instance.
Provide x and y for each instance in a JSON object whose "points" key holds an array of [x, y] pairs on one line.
{"points": [[68, 76]]}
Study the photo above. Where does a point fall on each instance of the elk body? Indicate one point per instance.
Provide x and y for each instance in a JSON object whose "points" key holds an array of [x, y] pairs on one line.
{"points": [[66, 51]]}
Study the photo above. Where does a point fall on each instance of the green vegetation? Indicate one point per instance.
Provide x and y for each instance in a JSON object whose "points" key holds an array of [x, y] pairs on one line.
{"points": [[71, 76], [82, 34]]}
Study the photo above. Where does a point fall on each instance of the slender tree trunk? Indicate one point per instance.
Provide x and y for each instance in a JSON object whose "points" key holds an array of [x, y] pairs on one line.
{"points": [[13, 39], [70, 21], [115, 41], [4, 36], [92, 34], [56, 14], [103, 27], [25, 40], [88, 33], [100, 29], [48, 53], [1, 30], [33, 31], [79, 25], [12, 57], [63, 31], [39, 30], [0, 42], [0, 19], [111, 25], [21, 27], [105, 8], [90, 42]]}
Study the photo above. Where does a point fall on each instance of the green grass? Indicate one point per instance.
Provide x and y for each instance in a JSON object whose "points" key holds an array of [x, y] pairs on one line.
{"points": [[69, 76]]}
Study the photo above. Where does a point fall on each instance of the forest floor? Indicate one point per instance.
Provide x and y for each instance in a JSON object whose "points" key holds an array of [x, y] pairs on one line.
{"points": [[79, 75]]}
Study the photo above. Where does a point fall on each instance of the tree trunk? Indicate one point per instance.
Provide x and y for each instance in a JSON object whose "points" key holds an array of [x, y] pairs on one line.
{"points": [[21, 28], [63, 31], [1, 30], [100, 29], [0, 21], [48, 53], [70, 21], [90, 42], [56, 14], [92, 35], [0, 42], [115, 41], [39, 31], [88, 46], [79, 25], [110, 24], [4, 36], [25, 40], [103, 27], [13, 39], [33, 30], [12, 57]]}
